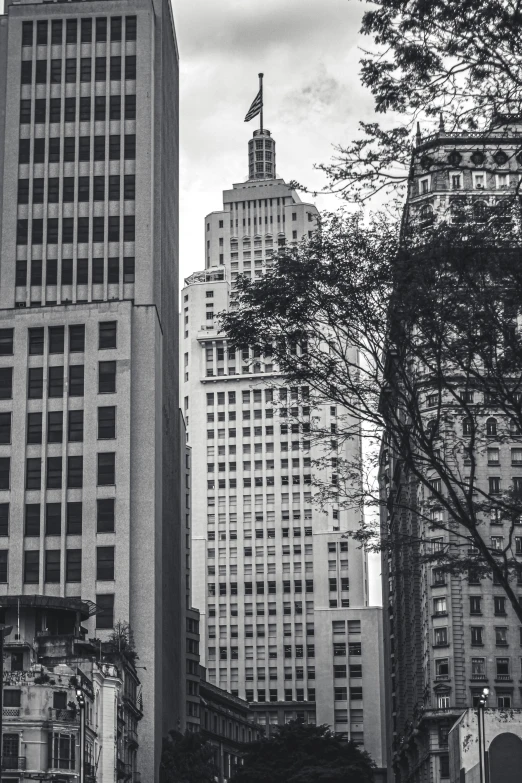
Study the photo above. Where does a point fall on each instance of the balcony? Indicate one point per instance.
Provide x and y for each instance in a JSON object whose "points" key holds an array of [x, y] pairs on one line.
{"points": [[11, 712], [478, 677], [68, 716], [503, 678], [13, 762]]}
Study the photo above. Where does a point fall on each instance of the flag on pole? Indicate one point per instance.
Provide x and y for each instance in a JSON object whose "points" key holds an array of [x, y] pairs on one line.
{"points": [[255, 109]]}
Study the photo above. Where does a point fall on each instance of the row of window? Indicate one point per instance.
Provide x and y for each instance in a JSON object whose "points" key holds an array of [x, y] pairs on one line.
{"points": [[294, 393], [106, 472], [441, 638], [85, 231], [246, 432], [502, 667], [113, 28], [97, 148], [269, 464], [105, 518], [107, 337], [259, 481], [53, 111], [98, 272], [54, 70], [259, 413], [273, 695], [73, 189], [230, 588], [52, 565], [55, 381], [55, 425]]}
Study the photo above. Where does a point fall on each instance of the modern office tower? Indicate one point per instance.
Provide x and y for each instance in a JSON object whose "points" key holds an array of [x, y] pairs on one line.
{"points": [[449, 636], [90, 480], [285, 621]]}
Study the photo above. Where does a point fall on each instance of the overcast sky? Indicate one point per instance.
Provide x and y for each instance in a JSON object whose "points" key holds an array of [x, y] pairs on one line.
{"points": [[308, 51]]}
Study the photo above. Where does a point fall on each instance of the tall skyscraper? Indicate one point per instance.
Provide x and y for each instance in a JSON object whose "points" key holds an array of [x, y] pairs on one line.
{"points": [[89, 486], [285, 621], [447, 636]]}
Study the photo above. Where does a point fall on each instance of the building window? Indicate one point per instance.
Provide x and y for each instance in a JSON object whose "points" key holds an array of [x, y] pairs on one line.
{"points": [[62, 751], [74, 518], [477, 636], [107, 335], [74, 472], [4, 556], [106, 377], [73, 565], [105, 515], [75, 428], [440, 637], [6, 382], [106, 469], [52, 565], [105, 614], [53, 519], [31, 567], [32, 519], [105, 563]]}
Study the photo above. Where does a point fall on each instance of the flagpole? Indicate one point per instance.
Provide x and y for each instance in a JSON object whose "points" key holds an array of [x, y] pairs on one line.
{"points": [[261, 91]]}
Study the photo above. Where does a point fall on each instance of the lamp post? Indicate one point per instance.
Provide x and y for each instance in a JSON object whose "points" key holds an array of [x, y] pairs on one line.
{"points": [[5, 630], [80, 698], [482, 733]]}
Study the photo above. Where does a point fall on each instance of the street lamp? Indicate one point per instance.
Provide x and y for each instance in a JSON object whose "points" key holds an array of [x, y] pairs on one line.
{"points": [[80, 698], [482, 733]]}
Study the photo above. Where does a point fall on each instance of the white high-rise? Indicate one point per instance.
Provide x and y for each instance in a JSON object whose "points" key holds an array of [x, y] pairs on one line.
{"points": [[285, 620]]}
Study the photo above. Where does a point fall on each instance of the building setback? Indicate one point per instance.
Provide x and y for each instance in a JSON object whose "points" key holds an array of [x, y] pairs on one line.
{"points": [[447, 636], [285, 621], [90, 477]]}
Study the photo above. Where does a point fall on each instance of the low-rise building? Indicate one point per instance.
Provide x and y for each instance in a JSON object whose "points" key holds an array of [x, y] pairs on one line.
{"points": [[47, 660], [227, 724]]}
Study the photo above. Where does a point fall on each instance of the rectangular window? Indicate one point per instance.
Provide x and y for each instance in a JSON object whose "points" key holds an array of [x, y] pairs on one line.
{"points": [[106, 422], [129, 229], [75, 427], [129, 187], [31, 567], [128, 269], [55, 427], [74, 472], [6, 383], [73, 565], [54, 473], [74, 518], [85, 69], [105, 563], [115, 111], [55, 382], [5, 428], [106, 469], [105, 614], [52, 566], [68, 190], [77, 338], [130, 107], [33, 476], [76, 380], [4, 519], [130, 147], [114, 187], [53, 519], [101, 33], [105, 515], [107, 335], [106, 377], [130, 28], [32, 519]]}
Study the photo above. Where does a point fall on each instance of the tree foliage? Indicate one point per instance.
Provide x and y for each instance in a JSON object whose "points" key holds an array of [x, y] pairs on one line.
{"points": [[460, 60], [419, 339], [300, 753], [187, 758]]}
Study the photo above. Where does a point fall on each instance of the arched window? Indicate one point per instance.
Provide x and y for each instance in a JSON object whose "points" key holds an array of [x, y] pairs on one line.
{"points": [[432, 427], [480, 211], [514, 428], [491, 426], [467, 427]]}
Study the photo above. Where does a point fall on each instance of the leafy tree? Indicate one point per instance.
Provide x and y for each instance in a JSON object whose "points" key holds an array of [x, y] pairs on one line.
{"points": [[418, 339], [187, 758], [121, 640], [460, 60], [300, 753]]}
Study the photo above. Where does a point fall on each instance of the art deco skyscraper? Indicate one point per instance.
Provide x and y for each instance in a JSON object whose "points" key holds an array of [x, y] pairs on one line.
{"points": [[285, 621], [89, 456]]}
